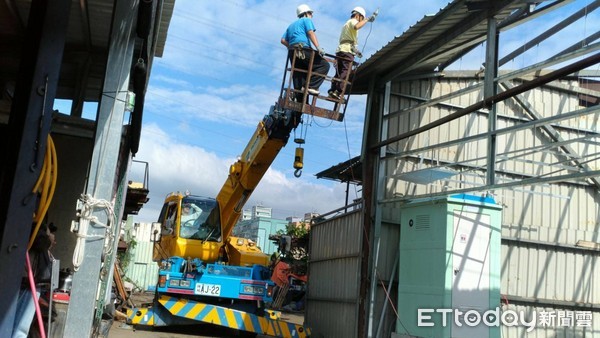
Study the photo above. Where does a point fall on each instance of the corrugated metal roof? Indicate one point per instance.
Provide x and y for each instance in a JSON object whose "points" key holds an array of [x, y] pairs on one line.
{"points": [[433, 40], [348, 171]]}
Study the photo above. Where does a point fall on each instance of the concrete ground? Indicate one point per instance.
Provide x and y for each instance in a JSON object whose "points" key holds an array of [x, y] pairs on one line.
{"points": [[122, 330]]}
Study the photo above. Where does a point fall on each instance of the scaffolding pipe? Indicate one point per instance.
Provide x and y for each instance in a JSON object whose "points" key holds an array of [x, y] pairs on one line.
{"points": [[389, 287], [548, 33], [490, 88]]}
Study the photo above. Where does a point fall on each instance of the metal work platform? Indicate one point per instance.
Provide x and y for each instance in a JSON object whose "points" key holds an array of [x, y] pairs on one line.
{"points": [[300, 100]]}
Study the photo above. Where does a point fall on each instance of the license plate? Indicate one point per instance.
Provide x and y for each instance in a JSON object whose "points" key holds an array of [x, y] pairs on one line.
{"points": [[208, 289]]}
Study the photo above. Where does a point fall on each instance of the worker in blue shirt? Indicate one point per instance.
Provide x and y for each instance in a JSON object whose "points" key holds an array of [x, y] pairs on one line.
{"points": [[298, 38]]}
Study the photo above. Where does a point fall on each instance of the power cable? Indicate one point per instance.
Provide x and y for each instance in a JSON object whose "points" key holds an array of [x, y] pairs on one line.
{"points": [[278, 18], [223, 27], [225, 62], [238, 56]]}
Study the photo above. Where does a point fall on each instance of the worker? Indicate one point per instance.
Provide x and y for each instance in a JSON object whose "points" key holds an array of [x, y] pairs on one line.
{"points": [[298, 38], [348, 49], [41, 270], [190, 212]]}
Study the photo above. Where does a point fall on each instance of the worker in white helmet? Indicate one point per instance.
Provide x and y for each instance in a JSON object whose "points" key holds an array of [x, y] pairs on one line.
{"points": [[298, 38], [348, 48]]}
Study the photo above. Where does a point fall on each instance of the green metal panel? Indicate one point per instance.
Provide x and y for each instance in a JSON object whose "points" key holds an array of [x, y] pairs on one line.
{"points": [[141, 270], [423, 275], [266, 227], [428, 232], [258, 229]]}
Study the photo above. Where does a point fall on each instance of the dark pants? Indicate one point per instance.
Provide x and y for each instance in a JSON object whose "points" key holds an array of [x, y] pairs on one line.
{"points": [[320, 69], [343, 66]]}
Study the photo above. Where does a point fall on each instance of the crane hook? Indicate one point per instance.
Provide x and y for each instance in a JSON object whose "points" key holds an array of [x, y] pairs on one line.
{"points": [[298, 172]]}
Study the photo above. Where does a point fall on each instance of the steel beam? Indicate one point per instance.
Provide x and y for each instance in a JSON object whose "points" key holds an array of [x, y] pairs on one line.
{"points": [[535, 67], [552, 133], [517, 18], [25, 145], [104, 172], [570, 90], [523, 126], [490, 89], [497, 186], [579, 44], [426, 51]]}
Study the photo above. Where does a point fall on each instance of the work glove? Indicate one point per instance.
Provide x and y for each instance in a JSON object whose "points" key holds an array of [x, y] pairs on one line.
{"points": [[321, 51], [374, 15]]}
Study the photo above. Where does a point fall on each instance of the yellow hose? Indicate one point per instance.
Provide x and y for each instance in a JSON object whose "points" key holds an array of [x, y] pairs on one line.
{"points": [[39, 180], [47, 181]]}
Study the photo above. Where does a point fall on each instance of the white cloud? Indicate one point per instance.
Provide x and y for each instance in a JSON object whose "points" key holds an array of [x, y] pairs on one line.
{"points": [[226, 104]]}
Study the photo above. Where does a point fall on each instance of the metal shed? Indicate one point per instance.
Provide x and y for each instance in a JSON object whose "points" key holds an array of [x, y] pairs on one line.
{"points": [[528, 136]]}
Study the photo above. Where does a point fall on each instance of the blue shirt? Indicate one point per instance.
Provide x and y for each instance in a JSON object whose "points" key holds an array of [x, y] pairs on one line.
{"points": [[297, 32]]}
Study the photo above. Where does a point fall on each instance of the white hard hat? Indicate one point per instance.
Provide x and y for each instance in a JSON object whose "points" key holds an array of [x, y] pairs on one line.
{"points": [[360, 11], [303, 9]]}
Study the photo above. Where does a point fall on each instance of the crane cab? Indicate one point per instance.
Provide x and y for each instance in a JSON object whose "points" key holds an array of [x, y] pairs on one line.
{"points": [[190, 227], [300, 100]]}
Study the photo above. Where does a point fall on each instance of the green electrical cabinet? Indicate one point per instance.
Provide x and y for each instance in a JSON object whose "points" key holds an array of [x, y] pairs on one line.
{"points": [[449, 264]]}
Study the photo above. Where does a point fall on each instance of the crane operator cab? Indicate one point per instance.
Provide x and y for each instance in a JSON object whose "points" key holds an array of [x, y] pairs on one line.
{"points": [[187, 227], [298, 97], [191, 226]]}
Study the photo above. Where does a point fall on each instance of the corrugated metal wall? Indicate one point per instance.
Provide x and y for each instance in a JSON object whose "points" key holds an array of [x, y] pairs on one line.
{"points": [[579, 327], [334, 269], [542, 269], [141, 270]]}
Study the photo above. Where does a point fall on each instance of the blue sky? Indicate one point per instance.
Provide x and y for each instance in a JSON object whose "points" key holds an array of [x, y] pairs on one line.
{"points": [[220, 72], [222, 69]]}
